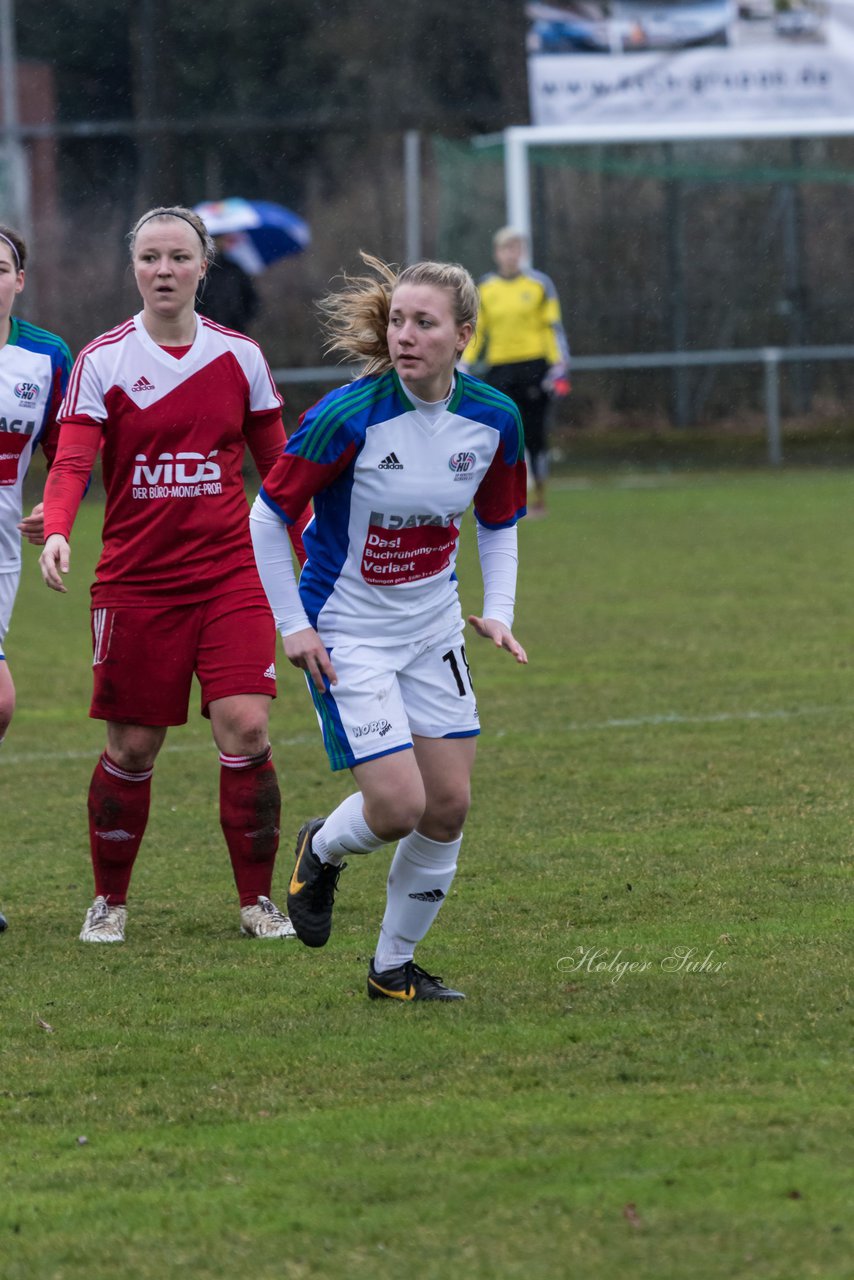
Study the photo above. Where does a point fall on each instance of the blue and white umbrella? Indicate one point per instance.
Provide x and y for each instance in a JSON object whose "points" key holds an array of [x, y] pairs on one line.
{"points": [[258, 232]]}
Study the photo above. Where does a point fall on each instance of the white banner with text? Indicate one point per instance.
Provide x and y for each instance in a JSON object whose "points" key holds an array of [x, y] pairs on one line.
{"points": [[630, 60]]}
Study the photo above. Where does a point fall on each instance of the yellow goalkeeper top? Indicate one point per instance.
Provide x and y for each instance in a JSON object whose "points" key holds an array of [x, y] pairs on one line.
{"points": [[519, 320]]}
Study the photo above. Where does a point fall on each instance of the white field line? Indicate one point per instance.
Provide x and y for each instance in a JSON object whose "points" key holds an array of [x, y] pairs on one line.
{"points": [[572, 726], [177, 748], [675, 717]]}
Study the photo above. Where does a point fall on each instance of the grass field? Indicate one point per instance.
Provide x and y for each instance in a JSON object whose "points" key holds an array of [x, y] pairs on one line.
{"points": [[650, 1077]]}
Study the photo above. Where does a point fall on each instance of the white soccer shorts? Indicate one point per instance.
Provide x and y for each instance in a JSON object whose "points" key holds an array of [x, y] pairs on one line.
{"points": [[387, 693]]}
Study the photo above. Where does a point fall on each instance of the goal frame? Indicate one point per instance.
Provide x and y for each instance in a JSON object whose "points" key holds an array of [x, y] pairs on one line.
{"points": [[518, 140]]}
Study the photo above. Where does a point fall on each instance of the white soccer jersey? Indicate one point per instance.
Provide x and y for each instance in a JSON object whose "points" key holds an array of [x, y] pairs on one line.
{"points": [[390, 487], [34, 366], [173, 435]]}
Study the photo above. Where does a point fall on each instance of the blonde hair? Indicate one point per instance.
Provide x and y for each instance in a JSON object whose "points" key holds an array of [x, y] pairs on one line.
{"points": [[355, 318], [508, 235], [186, 215]]}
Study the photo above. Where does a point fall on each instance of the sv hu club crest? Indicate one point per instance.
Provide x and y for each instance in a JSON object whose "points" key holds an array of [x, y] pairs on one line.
{"points": [[460, 463]]}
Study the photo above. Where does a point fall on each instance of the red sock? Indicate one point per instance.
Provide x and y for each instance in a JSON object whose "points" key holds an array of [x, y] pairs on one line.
{"points": [[249, 808], [118, 813]]}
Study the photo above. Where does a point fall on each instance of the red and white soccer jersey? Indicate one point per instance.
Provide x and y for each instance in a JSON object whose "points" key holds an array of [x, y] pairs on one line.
{"points": [[34, 368], [391, 485], [173, 434]]}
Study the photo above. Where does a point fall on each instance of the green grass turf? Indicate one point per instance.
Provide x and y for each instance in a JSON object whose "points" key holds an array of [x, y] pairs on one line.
{"points": [[652, 921]]}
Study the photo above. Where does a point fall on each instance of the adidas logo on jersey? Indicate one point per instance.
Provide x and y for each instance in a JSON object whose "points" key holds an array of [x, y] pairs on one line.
{"points": [[270, 673], [142, 384], [390, 463]]}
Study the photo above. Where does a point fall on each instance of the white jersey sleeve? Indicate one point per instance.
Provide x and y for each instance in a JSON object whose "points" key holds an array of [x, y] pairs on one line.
{"points": [[85, 395], [263, 393], [499, 558], [274, 559]]}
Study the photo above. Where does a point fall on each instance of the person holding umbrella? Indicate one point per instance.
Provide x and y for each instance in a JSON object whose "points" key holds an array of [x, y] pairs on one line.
{"points": [[227, 294], [258, 232], [172, 401], [248, 235]]}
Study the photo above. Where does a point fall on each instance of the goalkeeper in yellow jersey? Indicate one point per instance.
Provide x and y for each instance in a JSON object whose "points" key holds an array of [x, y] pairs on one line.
{"points": [[522, 340]]}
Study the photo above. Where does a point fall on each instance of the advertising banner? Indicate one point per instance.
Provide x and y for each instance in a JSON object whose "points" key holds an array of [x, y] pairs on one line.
{"points": [[610, 61]]}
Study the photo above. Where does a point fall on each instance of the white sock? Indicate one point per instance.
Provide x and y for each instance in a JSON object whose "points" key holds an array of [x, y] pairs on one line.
{"points": [[345, 831], [419, 878]]}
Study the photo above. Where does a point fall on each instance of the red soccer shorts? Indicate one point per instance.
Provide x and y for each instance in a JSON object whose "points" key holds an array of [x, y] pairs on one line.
{"points": [[145, 657]]}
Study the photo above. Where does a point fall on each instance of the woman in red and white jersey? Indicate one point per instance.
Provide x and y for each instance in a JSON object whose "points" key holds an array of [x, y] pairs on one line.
{"points": [[171, 400]]}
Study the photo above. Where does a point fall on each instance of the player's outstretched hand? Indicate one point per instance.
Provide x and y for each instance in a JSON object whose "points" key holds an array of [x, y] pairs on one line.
{"points": [[306, 650], [501, 636], [32, 526], [54, 561]]}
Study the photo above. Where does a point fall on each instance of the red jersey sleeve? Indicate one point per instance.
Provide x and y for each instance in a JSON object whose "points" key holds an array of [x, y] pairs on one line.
{"points": [[502, 493], [68, 477], [265, 435], [294, 481]]}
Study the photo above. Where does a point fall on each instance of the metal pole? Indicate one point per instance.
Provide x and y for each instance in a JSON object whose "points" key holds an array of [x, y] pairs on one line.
{"points": [[412, 179], [145, 104], [517, 182], [16, 170], [9, 69], [771, 359], [795, 278], [680, 406]]}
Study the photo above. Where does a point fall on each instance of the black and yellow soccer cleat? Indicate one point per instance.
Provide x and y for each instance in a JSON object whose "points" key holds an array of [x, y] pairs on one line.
{"points": [[408, 982], [311, 892]]}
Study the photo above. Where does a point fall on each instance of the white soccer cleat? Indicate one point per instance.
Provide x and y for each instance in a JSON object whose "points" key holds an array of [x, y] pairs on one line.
{"points": [[265, 920], [104, 923]]}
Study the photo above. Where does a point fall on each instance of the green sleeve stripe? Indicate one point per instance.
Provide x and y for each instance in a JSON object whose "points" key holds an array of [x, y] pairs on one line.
{"points": [[43, 336], [484, 394], [330, 417]]}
